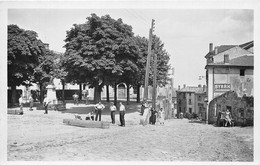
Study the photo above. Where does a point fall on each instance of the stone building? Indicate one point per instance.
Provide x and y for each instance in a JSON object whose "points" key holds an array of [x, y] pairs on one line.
{"points": [[241, 108], [229, 68], [191, 100]]}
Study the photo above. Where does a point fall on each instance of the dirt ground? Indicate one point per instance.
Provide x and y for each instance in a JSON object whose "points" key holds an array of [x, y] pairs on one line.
{"points": [[35, 136]]}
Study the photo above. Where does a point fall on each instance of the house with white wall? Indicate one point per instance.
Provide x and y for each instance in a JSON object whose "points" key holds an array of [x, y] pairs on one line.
{"points": [[230, 68]]}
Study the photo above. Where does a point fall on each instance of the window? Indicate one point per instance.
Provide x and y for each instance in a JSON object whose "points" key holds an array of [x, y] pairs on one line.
{"points": [[242, 72], [190, 110], [241, 113], [228, 108], [199, 98], [189, 94], [189, 101]]}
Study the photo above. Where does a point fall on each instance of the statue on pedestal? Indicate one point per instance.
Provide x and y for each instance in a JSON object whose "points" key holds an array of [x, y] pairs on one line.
{"points": [[51, 92]]}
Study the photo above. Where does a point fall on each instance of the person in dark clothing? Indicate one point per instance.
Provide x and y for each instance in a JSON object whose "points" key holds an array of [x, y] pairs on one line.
{"points": [[153, 116]]}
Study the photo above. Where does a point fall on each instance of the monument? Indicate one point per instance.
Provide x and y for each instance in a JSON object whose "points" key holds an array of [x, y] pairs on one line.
{"points": [[51, 93]]}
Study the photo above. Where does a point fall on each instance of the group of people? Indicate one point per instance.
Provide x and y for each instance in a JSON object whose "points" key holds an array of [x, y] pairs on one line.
{"points": [[159, 115], [100, 107], [31, 101], [76, 97], [21, 102]]}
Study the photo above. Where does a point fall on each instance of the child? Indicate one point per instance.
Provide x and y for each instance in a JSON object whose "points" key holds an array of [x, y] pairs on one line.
{"points": [[161, 116]]}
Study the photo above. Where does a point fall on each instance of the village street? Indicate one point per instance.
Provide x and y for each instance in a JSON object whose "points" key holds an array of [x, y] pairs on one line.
{"points": [[38, 137]]}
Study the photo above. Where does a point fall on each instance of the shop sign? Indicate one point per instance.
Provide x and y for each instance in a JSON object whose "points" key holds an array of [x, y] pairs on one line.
{"points": [[221, 87]]}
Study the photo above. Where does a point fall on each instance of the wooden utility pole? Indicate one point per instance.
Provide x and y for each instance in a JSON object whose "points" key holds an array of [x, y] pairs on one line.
{"points": [[148, 62], [154, 80], [145, 118]]}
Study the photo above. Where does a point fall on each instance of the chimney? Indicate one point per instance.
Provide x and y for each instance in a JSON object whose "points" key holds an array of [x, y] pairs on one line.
{"points": [[216, 50], [204, 88], [184, 85], [226, 58], [199, 85], [179, 87], [210, 47]]}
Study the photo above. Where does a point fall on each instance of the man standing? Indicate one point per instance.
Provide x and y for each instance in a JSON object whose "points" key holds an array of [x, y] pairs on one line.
{"points": [[75, 98], [113, 111], [122, 114], [45, 104], [21, 103], [31, 103], [99, 108]]}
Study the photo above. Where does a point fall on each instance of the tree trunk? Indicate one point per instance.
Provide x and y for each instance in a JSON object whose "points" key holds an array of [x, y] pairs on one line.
{"points": [[41, 92], [127, 93], [80, 91], [115, 94], [97, 93], [63, 91], [138, 94], [107, 86], [13, 98]]}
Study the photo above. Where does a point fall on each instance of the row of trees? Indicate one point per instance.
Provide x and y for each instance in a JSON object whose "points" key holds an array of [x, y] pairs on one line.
{"points": [[102, 51]]}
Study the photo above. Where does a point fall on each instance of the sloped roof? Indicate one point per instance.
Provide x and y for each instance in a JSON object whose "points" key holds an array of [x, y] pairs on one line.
{"points": [[239, 61], [247, 45], [192, 89], [209, 54], [223, 48]]}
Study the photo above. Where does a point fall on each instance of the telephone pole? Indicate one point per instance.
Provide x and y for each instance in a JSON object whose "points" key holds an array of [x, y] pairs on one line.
{"points": [[154, 80], [148, 62]]}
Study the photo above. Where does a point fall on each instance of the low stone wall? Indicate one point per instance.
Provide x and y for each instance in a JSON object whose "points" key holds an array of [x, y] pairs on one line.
{"points": [[241, 109]]}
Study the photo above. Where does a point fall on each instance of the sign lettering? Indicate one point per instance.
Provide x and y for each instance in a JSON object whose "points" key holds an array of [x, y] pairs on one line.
{"points": [[222, 86]]}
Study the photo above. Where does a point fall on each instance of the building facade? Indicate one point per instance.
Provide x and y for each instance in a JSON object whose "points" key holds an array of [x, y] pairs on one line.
{"points": [[191, 100], [229, 68]]}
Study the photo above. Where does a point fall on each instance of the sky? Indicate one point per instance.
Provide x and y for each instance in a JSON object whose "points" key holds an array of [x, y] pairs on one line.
{"points": [[186, 33]]}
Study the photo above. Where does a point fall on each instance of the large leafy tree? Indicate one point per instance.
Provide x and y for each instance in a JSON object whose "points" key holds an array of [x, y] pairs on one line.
{"points": [[162, 63], [97, 52], [129, 64], [24, 50]]}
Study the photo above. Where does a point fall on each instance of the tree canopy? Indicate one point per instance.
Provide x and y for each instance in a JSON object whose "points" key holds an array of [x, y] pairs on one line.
{"points": [[162, 61], [24, 50], [99, 51], [104, 51]]}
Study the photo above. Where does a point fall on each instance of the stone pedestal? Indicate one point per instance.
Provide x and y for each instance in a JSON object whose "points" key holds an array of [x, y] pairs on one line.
{"points": [[51, 94]]}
